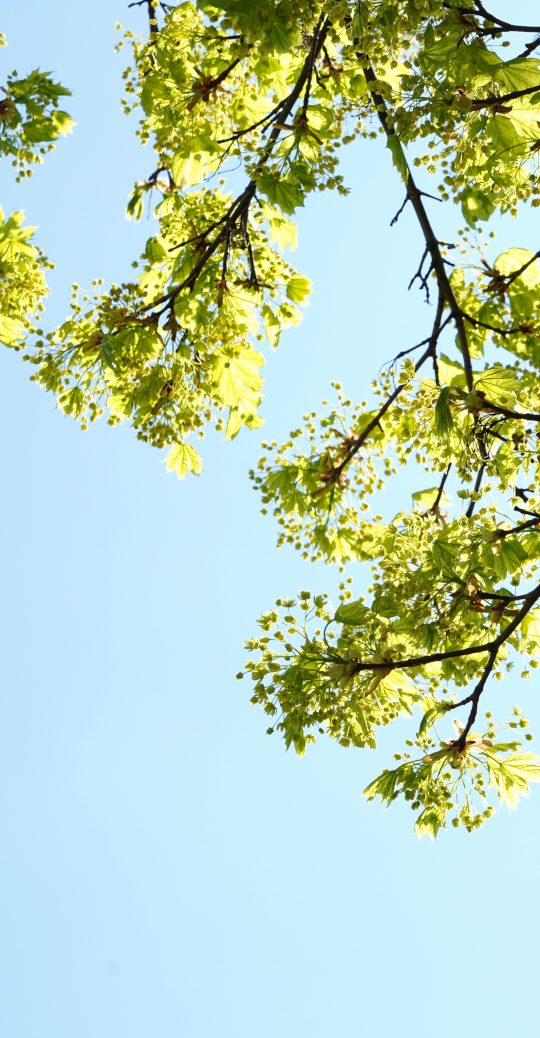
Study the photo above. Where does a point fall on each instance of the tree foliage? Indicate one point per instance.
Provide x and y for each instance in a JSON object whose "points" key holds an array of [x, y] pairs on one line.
{"points": [[30, 121], [275, 90]]}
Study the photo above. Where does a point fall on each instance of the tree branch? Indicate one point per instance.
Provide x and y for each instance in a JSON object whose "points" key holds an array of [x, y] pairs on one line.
{"points": [[500, 22], [376, 420], [490, 102], [154, 29], [529, 524], [437, 501], [240, 207], [510, 278], [524, 416], [471, 650], [415, 196], [477, 485], [503, 332], [474, 698]]}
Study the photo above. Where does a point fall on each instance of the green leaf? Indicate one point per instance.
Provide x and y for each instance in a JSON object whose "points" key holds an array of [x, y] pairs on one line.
{"points": [[511, 776], [272, 326], [513, 554], [451, 372], [430, 821], [187, 169], [432, 715], [237, 419], [444, 421], [398, 157], [444, 555], [12, 331], [518, 74], [237, 378], [505, 136], [500, 384], [476, 205], [298, 288], [439, 52], [282, 230], [384, 785], [530, 626], [155, 251], [425, 499], [352, 614], [285, 194], [62, 122], [183, 458], [373, 539], [509, 262]]}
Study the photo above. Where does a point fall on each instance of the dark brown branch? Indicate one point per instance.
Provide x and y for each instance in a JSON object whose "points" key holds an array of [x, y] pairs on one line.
{"points": [[282, 110], [526, 511], [151, 14], [268, 118], [236, 209], [432, 244], [396, 217], [498, 26], [207, 87], [490, 647], [239, 208], [523, 416], [437, 500], [251, 260], [477, 485], [405, 353], [474, 698], [503, 332], [421, 275], [312, 57], [376, 420], [214, 83], [493, 102], [509, 278], [442, 277], [500, 22], [496, 597], [420, 661], [529, 48], [373, 424], [494, 648], [529, 524]]}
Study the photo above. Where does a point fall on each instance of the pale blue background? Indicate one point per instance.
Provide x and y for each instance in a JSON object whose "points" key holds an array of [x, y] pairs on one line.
{"points": [[166, 868]]}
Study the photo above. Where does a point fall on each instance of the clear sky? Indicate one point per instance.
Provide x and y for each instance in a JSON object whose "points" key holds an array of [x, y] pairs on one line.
{"points": [[166, 868]]}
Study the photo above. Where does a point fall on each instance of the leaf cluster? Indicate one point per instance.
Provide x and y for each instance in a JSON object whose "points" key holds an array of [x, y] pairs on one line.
{"points": [[246, 106]]}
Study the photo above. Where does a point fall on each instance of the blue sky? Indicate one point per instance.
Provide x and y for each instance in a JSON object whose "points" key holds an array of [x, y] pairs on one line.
{"points": [[167, 869]]}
